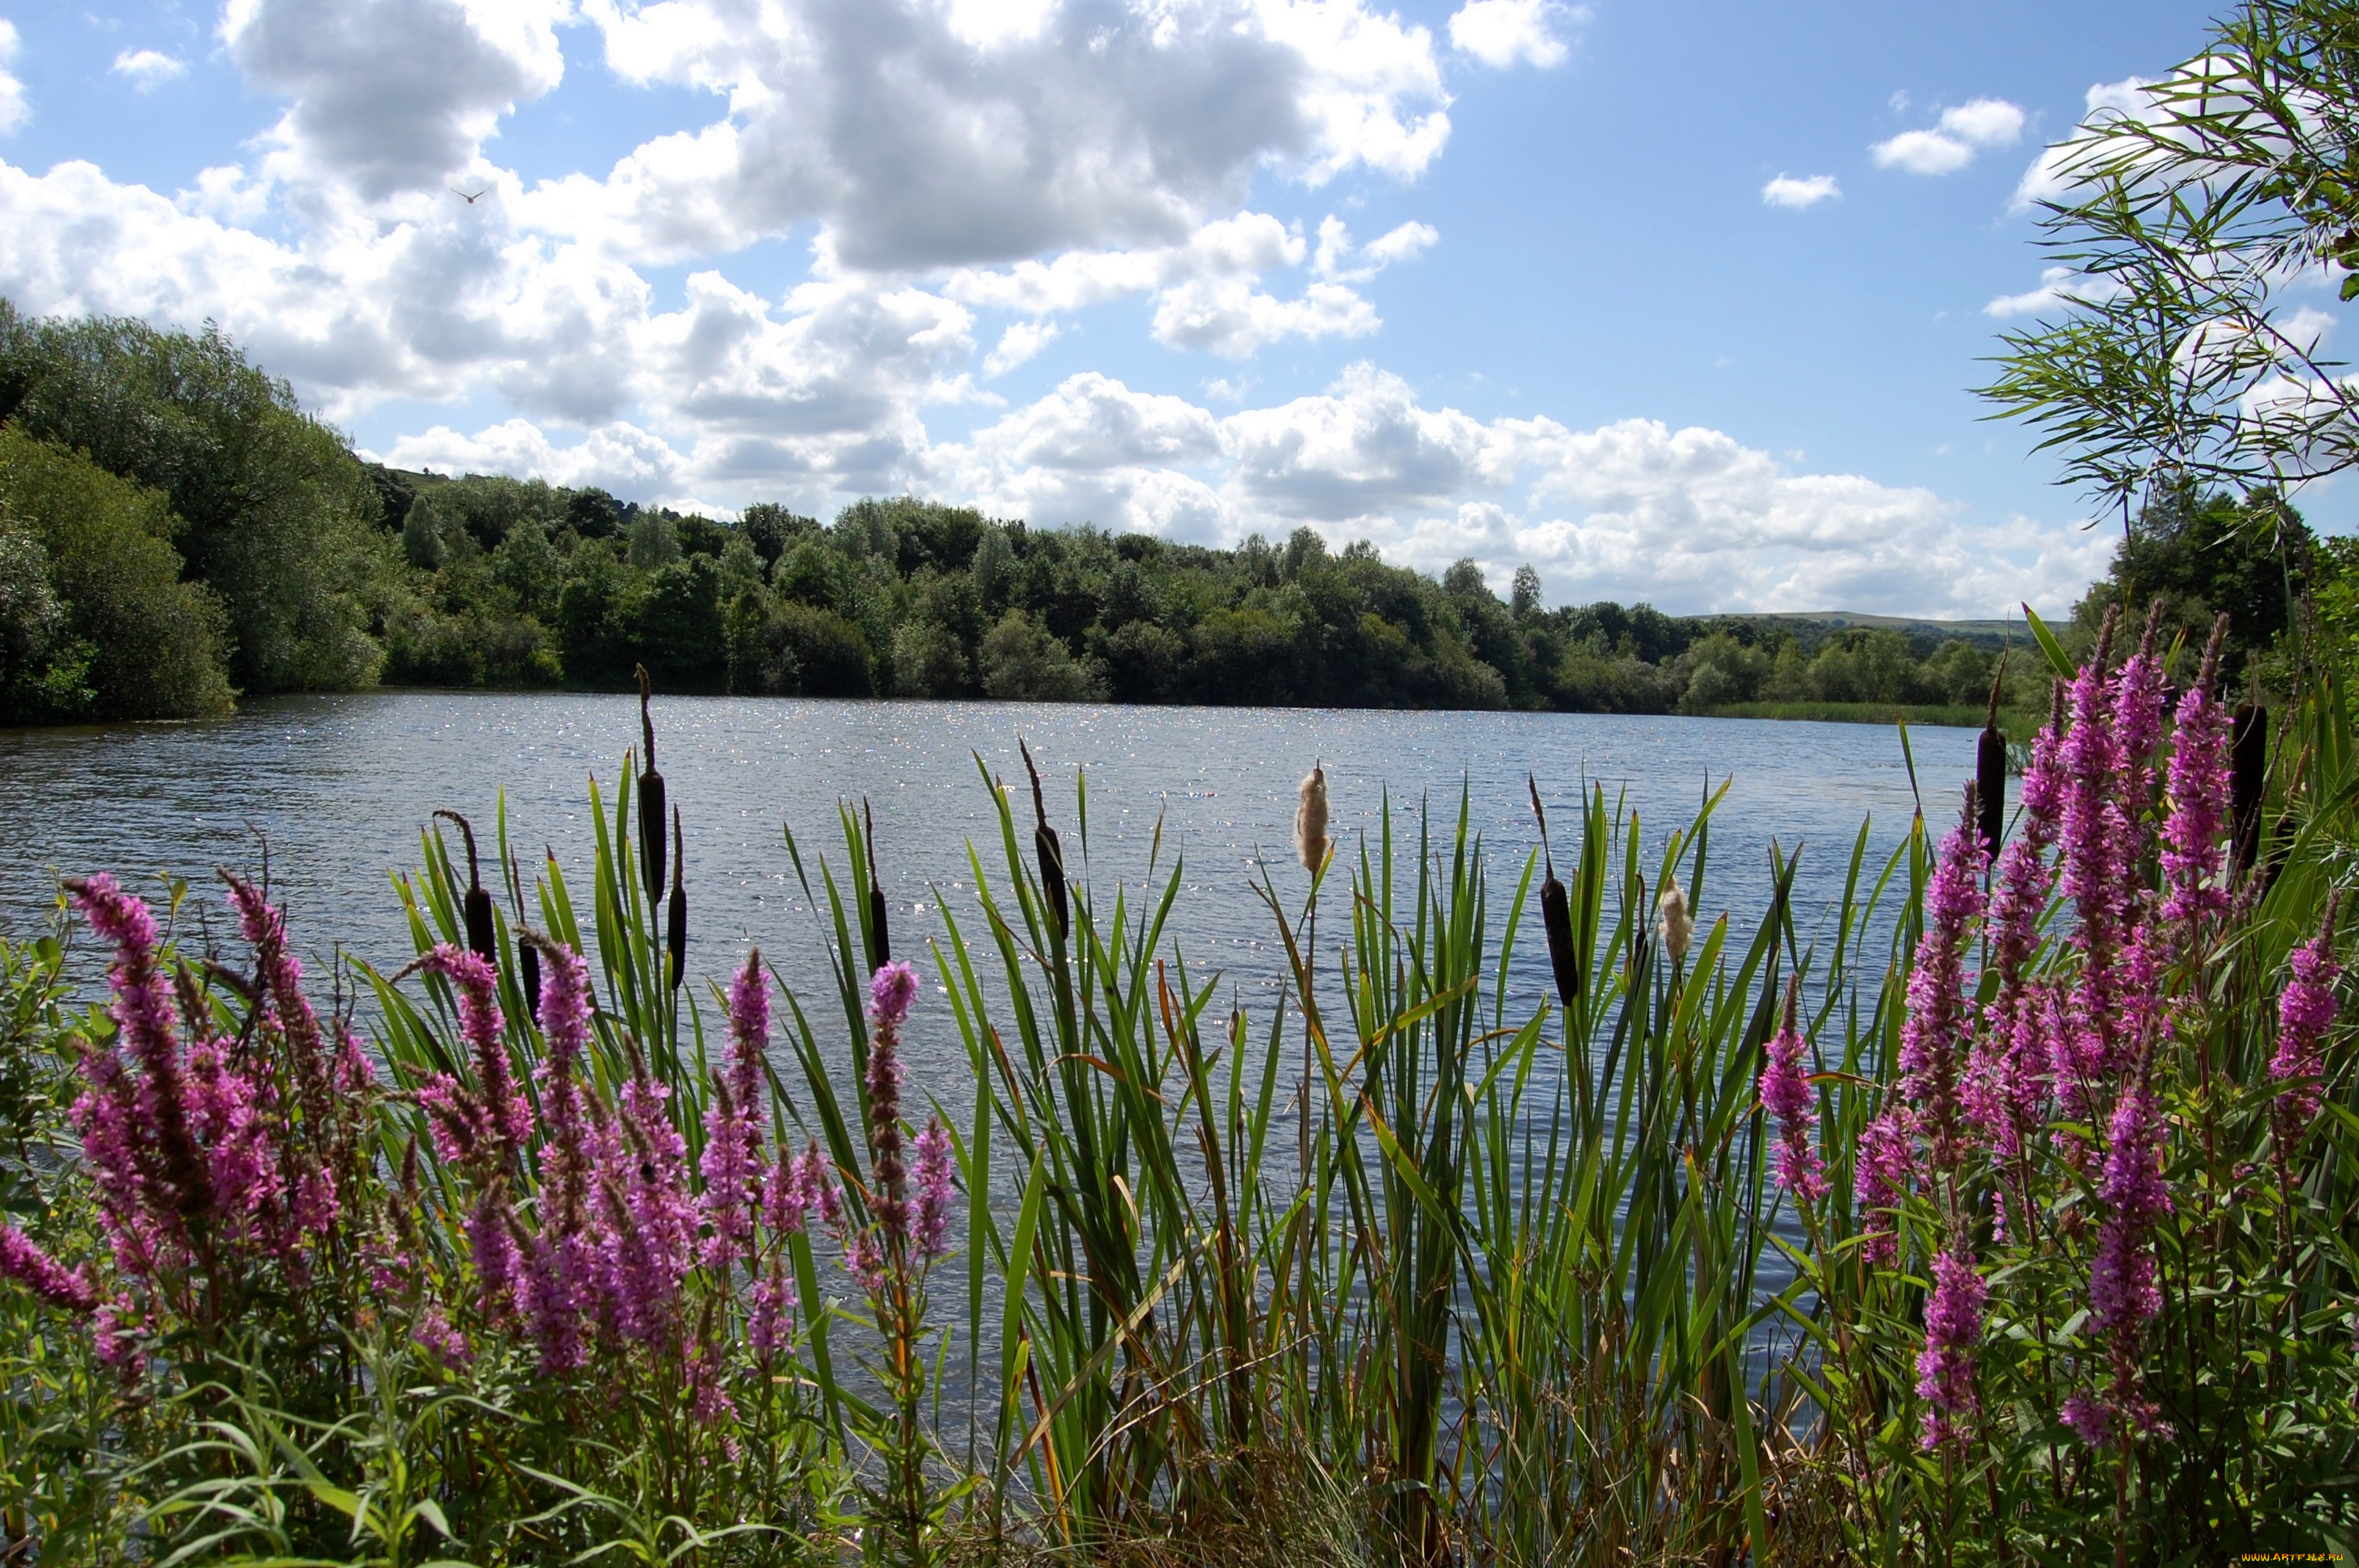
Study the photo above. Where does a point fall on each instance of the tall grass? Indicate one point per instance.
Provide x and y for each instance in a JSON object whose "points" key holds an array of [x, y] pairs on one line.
{"points": [[1511, 1282]]}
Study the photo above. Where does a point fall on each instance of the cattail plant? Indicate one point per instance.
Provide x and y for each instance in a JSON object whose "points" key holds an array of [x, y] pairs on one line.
{"points": [[482, 936], [1051, 854], [1673, 924], [651, 794], [527, 955], [1556, 915], [1990, 771], [880, 941], [676, 921]]}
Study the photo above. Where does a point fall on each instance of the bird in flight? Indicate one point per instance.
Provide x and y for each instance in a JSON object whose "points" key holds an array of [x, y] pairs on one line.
{"points": [[470, 200]]}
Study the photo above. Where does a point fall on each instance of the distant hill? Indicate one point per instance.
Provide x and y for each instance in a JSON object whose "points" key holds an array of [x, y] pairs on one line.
{"points": [[1812, 624]]}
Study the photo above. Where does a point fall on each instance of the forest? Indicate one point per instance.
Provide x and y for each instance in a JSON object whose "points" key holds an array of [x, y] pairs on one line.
{"points": [[175, 531]]}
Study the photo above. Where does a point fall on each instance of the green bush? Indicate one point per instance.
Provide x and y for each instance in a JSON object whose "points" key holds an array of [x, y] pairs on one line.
{"points": [[146, 645]]}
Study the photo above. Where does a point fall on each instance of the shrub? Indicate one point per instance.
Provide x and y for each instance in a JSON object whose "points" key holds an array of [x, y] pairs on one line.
{"points": [[1023, 662], [153, 643]]}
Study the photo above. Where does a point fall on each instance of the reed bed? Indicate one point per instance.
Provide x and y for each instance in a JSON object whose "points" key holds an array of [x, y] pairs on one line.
{"points": [[2003, 1215]]}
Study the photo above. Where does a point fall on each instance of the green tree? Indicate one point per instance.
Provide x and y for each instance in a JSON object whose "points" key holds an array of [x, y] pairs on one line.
{"points": [[281, 520], [1023, 662], [153, 642]]}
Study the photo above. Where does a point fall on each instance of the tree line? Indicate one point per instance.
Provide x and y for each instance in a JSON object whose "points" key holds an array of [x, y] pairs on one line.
{"points": [[175, 531]]}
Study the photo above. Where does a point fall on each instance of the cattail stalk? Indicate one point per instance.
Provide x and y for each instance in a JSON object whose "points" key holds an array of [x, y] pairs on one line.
{"points": [[481, 937], [676, 925], [880, 941], [651, 796], [1990, 773], [1555, 913], [1052, 854]]}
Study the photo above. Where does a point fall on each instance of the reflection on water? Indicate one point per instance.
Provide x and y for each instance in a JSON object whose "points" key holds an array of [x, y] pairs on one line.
{"points": [[338, 787]]}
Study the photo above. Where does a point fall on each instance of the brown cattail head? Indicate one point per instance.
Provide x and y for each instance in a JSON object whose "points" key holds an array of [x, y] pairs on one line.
{"points": [[2248, 769], [676, 927], [651, 796], [1052, 854], [1555, 913], [1672, 921], [528, 959], [1310, 821], [482, 939], [1990, 773], [880, 942]]}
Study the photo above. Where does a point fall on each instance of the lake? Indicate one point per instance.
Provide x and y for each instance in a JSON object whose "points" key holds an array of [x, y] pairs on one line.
{"points": [[339, 786]]}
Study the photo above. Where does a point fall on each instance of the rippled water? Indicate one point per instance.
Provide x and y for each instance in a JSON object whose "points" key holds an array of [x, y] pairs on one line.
{"points": [[338, 787]]}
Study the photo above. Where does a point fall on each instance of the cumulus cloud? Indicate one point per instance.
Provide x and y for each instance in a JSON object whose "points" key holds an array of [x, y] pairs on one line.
{"points": [[2049, 177], [1019, 342], [1339, 261], [925, 136], [1965, 131], [393, 95], [13, 108], [1499, 33], [146, 68], [1787, 191]]}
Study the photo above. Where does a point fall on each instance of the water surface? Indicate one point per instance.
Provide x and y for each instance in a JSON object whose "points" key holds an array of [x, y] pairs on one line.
{"points": [[338, 787]]}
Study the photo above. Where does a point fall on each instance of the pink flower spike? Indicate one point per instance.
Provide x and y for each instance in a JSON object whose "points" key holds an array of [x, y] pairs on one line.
{"points": [[2304, 1014], [1786, 1094], [890, 993], [1945, 1369], [22, 1259], [935, 1188]]}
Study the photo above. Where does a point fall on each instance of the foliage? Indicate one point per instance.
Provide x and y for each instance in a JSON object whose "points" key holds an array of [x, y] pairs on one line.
{"points": [[2188, 217], [94, 620], [546, 1273], [276, 518]]}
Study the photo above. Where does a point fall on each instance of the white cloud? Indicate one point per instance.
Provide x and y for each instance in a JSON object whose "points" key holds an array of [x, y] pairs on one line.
{"points": [[13, 108], [1501, 32], [930, 136], [393, 95], [1020, 342], [1230, 317], [2050, 176], [1964, 131], [1338, 261], [146, 68], [2054, 282], [1787, 191]]}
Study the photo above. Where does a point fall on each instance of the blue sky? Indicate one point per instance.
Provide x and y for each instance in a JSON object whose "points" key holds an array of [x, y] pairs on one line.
{"points": [[1678, 301]]}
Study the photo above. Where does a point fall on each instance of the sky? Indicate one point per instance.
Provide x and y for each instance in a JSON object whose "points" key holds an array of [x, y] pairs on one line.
{"points": [[1676, 301]]}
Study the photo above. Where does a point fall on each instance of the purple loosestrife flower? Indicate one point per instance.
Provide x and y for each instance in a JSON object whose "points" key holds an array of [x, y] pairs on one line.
{"points": [[1945, 1367], [2005, 1090], [891, 991], [504, 1114], [773, 1304], [290, 1014], [934, 1188], [733, 1144], [1786, 1094], [22, 1259], [1886, 1172], [491, 1237], [116, 1330], [439, 1339], [649, 1211], [1932, 1035], [151, 1178], [2304, 1014], [2197, 789], [2123, 1293], [817, 1181]]}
